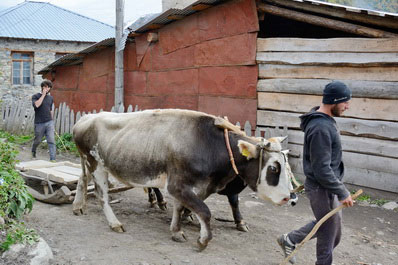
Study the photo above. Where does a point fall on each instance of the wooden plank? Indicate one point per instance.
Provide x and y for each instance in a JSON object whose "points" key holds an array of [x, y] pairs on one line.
{"points": [[327, 45], [63, 114], [359, 88], [328, 72], [67, 122], [325, 22], [364, 108], [328, 58], [374, 129], [357, 176], [377, 20], [58, 123], [355, 144], [356, 160], [71, 121]]}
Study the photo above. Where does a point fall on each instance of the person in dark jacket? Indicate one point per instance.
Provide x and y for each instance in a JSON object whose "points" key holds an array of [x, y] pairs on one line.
{"points": [[324, 170], [44, 124]]}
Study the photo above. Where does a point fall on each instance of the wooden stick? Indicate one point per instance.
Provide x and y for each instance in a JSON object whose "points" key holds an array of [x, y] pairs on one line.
{"points": [[316, 227]]}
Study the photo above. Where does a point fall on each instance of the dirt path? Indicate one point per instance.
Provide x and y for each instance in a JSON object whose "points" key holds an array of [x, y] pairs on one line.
{"points": [[369, 235]]}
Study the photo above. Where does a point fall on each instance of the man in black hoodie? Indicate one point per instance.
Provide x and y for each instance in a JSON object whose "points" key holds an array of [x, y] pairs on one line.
{"points": [[324, 170]]}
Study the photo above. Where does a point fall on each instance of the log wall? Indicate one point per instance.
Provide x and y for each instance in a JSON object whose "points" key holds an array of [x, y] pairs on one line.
{"points": [[292, 75]]}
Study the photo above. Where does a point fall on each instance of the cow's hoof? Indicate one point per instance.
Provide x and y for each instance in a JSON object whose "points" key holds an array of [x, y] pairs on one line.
{"points": [[242, 226], [179, 236], [78, 211], [203, 245], [118, 228], [152, 204], [162, 206]]}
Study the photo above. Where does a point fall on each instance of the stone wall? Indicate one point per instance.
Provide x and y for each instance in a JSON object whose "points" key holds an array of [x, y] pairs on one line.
{"points": [[43, 54]]}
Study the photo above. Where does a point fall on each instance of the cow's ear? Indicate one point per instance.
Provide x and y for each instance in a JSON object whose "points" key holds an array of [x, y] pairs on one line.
{"points": [[247, 149]]}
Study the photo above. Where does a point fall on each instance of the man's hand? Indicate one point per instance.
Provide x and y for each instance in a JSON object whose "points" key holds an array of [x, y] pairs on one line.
{"points": [[46, 89], [348, 202]]}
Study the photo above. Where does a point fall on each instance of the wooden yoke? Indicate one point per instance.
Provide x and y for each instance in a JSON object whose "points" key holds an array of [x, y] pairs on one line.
{"points": [[225, 124]]}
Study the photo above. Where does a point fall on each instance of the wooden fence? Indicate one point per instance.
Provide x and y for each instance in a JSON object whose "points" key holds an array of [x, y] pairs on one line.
{"points": [[17, 117]]}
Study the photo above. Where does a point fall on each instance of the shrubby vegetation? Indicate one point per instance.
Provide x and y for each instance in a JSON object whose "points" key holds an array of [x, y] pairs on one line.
{"points": [[15, 200]]}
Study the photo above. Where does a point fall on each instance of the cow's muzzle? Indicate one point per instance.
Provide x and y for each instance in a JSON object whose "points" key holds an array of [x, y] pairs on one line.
{"points": [[293, 199]]}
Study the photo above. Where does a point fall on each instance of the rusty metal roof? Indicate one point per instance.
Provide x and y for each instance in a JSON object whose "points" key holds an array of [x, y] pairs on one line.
{"points": [[77, 58], [154, 21]]}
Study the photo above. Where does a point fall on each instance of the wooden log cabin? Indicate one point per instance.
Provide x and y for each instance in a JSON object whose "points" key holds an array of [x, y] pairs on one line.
{"points": [[325, 43], [211, 55]]}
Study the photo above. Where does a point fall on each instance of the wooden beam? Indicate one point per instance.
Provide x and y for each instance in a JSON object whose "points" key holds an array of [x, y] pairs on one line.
{"points": [[348, 126], [328, 58], [340, 13], [154, 26], [363, 108], [362, 89], [325, 22], [329, 72], [200, 7], [327, 45], [363, 145], [175, 17]]}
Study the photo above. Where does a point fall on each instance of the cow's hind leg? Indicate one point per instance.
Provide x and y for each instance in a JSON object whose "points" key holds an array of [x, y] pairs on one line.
{"points": [[159, 197], [176, 233], [100, 176], [79, 203], [190, 200]]}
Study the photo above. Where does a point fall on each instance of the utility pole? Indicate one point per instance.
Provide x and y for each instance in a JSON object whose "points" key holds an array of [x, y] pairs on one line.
{"points": [[119, 90]]}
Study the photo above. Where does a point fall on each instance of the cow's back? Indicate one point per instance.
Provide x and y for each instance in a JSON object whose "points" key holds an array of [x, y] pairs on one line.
{"points": [[143, 145]]}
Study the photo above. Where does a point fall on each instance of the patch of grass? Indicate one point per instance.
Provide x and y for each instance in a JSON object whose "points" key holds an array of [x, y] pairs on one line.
{"points": [[16, 232], [363, 198], [16, 139], [65, 142], [379, 202]]}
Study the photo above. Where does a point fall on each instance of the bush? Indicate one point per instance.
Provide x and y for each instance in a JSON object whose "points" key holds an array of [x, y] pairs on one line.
{"points": [[15, 200], [65, 142]]}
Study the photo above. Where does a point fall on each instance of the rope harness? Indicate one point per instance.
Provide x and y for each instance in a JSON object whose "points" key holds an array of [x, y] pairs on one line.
{"points": [[262, 147]]}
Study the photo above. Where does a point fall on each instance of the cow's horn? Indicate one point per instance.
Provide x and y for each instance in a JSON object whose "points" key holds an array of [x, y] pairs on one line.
{"points": [[281, 139]]}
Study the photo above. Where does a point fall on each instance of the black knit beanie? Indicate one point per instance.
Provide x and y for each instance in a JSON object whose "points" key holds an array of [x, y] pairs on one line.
{"points": [[336, 92]]}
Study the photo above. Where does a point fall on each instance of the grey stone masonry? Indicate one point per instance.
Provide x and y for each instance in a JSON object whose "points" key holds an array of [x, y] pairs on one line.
{"points": [[43, 51]]}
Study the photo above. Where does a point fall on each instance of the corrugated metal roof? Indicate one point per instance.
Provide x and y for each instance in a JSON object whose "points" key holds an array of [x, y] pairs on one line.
{"points": [[44, 21], [77, 58], [170, 16]]}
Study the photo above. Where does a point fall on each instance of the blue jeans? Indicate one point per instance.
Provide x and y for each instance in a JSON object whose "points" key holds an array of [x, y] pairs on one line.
{"points": [[45, 129], [329, 234]]}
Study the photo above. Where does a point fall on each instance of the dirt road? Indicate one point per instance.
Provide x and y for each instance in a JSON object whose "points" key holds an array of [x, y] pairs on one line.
{"points": [[369, 235]]}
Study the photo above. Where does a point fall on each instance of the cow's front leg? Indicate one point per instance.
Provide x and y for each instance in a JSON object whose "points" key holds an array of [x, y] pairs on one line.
{"points": [[190, 200], [233, 200], [101, 191], [79, 203], [176, 233]]}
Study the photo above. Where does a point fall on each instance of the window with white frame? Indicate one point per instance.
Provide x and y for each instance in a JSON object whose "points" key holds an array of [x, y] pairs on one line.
{"points": [[22, 64]]}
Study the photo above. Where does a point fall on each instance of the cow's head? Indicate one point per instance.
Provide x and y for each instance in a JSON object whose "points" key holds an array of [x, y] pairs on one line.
{"points": [[273, 181]]}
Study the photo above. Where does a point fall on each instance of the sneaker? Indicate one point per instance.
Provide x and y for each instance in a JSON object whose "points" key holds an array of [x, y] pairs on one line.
{"points": [[33, 154], [53, 160], [286, 247]]}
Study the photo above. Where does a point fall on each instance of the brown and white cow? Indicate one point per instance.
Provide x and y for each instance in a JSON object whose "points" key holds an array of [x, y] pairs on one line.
{"points": [[180, 150]]}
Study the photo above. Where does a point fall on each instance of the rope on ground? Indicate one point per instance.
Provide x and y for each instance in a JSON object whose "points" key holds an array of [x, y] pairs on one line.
{"points": [[316, 227]]}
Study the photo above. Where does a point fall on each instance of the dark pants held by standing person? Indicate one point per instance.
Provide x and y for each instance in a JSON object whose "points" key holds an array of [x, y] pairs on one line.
{"points": [[45, 129], [329, 234]]}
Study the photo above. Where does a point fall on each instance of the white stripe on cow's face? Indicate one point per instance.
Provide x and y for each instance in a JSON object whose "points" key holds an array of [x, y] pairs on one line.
{"points": [[281, 191]]}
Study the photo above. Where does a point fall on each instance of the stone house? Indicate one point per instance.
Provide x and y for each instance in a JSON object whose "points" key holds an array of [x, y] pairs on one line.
{"points": [[33, 35]]}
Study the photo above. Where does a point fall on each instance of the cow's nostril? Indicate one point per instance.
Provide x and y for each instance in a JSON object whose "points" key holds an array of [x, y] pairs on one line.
{"points": [[286, 199]]}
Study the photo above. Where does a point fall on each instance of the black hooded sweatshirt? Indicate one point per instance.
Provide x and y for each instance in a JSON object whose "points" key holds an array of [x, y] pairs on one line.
{"points": [[322, 153]]}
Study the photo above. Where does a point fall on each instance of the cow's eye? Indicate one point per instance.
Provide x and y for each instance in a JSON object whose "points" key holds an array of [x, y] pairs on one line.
{"points": [[273, 169]]}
